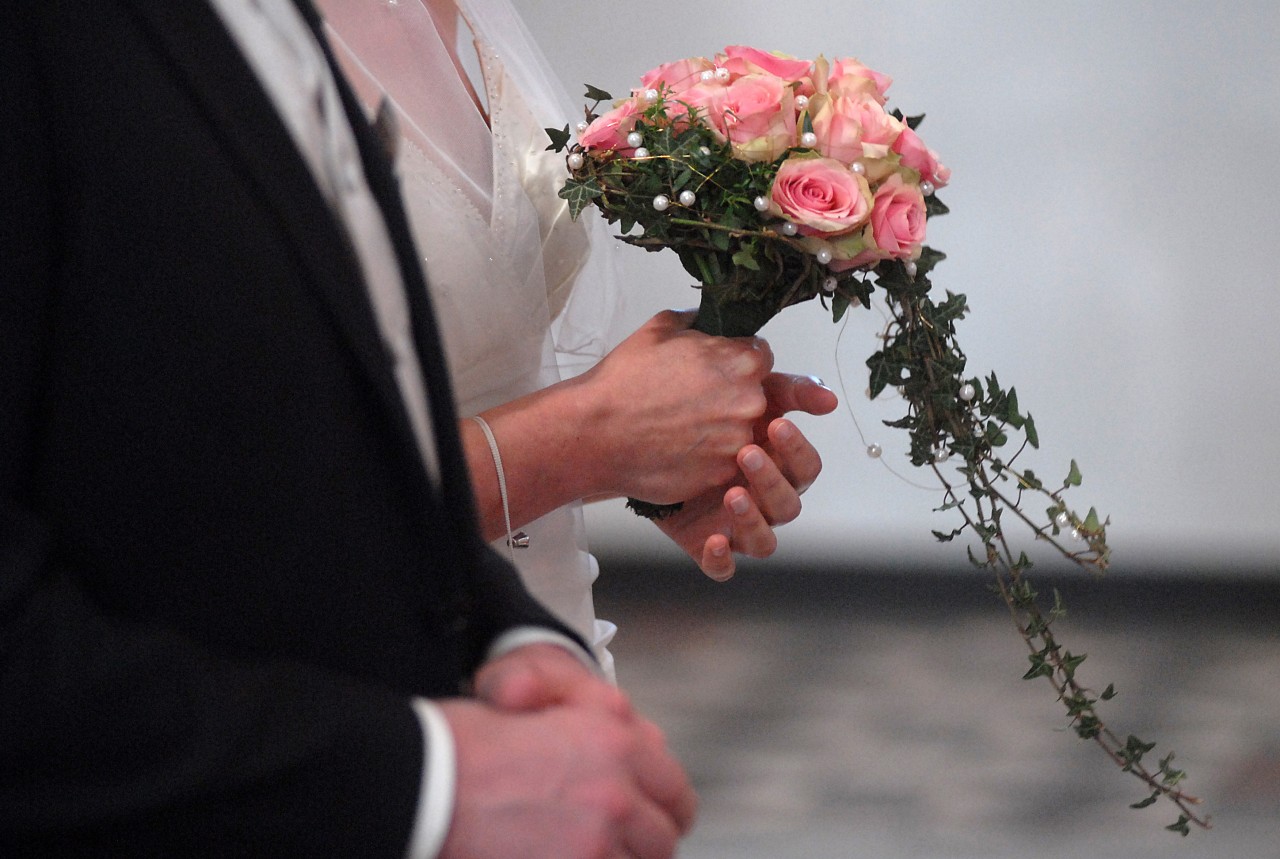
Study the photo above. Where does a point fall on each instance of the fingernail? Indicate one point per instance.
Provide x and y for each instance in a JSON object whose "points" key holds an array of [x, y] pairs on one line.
{"points": [[753, 461], [818, 381], [739, 504], [719, 551], [786, 431]]}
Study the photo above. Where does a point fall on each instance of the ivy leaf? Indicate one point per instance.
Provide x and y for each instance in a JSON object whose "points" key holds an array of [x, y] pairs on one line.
{"points": [[559, 138], [580, 194], [746, 259], [1073, 476], [1151, 800], [596, 94], [1033, 437]]}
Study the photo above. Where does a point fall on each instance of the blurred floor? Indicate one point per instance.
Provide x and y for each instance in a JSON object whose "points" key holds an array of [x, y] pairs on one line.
{"points": [[884, 716]]}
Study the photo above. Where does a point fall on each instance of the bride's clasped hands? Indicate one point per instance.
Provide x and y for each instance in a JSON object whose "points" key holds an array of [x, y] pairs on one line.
{"points": [[670, 415]]}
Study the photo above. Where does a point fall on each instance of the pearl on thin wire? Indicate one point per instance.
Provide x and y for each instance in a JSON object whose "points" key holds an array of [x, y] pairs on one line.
{"points": [[967, 392], [927, 188], [829, 285], [824, 255], [911, 267], [688, 198], [802, 101], [640, 152], [874, 451], [1062, 520], [788, 228], [634, 139], [661, 202], [722, 74], [1075, 533], [941, 455], [809, 139], [858, 167], [761, 204], [575, 160], [707, 74], [651, 95], [582, 126]]}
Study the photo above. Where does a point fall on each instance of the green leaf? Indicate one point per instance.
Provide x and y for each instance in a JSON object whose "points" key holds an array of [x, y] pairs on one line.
{"points": [[746, 259], [839, 304], [1151, 800], [596, 94], [1180, 825], [1073, 476], [580, 194], [1091, 522], [1033, 437], [559, 138], [1109, 692]]}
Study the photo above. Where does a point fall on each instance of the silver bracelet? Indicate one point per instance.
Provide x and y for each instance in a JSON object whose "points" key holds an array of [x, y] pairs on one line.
{"points": [[514, 541]]}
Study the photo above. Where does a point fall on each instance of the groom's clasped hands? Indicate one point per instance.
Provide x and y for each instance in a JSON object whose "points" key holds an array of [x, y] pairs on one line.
{"points": [[553, 761]]}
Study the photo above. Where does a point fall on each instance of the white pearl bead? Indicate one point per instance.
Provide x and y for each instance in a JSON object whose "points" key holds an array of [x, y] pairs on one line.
{"points": [[722, 74], [874, 451], [809, 139], [1075, 533], [634, 139], [582, 126], [651, 95], [641, 152], [576, 160], [661, 202], [858, 167], [967, 392], [688, 198], [927, 188], [911, 268], [707, 75], [829, 285], [788, 229], [802, 101], [761, 204], [824, 255], [1062, 520], [941, 455], [705, 150]]}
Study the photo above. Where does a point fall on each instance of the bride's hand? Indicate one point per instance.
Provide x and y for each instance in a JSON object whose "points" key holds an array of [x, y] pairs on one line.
{"points": [[670, 408], [739, 518]]}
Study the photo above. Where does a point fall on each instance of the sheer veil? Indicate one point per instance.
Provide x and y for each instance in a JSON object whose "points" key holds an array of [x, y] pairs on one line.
{"points": [[525, 295]]}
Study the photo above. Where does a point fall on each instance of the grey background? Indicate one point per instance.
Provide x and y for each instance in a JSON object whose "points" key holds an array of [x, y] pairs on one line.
{"points": [[1113, 222]]}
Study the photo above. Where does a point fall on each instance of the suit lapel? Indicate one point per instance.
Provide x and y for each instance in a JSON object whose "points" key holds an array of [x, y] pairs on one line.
{"points": [[385, 187], [252, 135]]}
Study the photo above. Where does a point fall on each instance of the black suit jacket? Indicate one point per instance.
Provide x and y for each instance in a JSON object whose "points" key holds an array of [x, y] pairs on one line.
{"points": [[223, 567]]}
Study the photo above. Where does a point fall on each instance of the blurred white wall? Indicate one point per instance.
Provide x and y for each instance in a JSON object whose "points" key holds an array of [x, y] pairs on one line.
{"points": [[1114, 224]]}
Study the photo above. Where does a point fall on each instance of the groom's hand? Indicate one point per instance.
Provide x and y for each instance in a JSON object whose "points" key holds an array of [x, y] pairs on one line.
{"points": [[563, 781], [538, 676], [740, 517]]}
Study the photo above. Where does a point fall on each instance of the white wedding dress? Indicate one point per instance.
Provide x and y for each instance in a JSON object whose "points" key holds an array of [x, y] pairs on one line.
{"points": [[522, 299]]}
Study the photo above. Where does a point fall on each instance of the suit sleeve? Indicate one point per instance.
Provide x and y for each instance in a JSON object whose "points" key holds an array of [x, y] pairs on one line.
{"points": [[121, 738]]}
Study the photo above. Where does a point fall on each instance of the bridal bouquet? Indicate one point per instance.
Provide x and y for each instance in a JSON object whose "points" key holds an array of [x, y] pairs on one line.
{"points": [[778, 180]]}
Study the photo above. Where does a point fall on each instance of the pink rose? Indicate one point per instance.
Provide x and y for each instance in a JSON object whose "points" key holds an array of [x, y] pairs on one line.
{"points": [[741, 60], [850, 127], [850, 77], [707, 100], [897, 225], [822, 196], [759, 117], [678, 76], [915, 155], [609, 130]]}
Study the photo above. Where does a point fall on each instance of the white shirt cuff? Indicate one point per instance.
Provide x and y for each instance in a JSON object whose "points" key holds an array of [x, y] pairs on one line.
{"points": [[522, 636], [439, 782]]}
